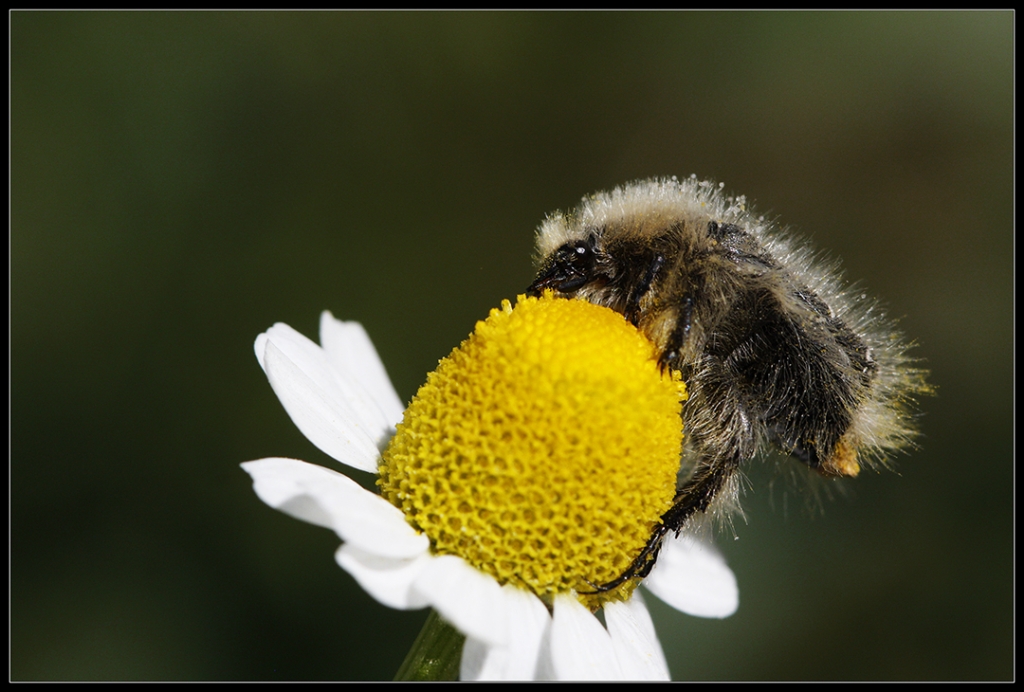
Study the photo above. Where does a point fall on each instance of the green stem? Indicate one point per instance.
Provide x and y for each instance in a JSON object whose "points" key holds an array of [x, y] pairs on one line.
{"points": [[436, 653]]}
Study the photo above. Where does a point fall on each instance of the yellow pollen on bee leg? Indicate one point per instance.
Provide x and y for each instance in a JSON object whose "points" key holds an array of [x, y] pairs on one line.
{"points": [[843, 461]]}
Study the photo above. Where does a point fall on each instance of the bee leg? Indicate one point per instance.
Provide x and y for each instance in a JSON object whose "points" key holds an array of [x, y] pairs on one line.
{"points": [[695, 496], [632, 309], [640, 567], [807, 454], [697, 493], [669, 358]]}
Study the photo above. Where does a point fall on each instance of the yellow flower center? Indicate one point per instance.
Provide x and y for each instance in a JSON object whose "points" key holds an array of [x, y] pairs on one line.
{"points": [[543, 450]]}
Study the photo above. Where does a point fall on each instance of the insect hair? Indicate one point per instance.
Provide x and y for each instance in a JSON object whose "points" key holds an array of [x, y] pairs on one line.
{"points": [[776, 349]]}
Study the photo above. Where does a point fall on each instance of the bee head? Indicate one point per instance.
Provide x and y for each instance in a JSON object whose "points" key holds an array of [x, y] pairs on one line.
{"points": [[572, 266]]}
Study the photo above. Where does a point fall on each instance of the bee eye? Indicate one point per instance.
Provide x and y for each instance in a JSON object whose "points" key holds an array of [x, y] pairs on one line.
{"points": [[570, 268]]}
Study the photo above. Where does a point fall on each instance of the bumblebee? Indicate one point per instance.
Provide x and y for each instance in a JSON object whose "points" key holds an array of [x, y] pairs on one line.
{"points": [[776, 352]]}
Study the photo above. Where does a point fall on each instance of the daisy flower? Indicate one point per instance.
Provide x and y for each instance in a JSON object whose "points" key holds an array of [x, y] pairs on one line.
{"points": [[532, 465]]}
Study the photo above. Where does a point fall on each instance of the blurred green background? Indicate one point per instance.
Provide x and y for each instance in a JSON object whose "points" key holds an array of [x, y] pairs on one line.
{"points": [[181, 181]]}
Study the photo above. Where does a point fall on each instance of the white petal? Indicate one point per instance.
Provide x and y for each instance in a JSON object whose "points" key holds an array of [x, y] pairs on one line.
{"points": [[528, 622], [692, 576], [465, 597], [321, 417], [337, 378], [260, 347], [349, 347], [635, 641], [479, 660], [329, 499], [340, 384], [388, 580], [580, 646]]}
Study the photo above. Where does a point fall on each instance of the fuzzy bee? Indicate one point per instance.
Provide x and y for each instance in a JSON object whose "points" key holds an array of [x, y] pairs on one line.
{"points": [[774, 350]]}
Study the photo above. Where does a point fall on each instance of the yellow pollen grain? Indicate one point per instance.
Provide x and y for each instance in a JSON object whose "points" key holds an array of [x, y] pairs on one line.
{"points": [[544, 449]]}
